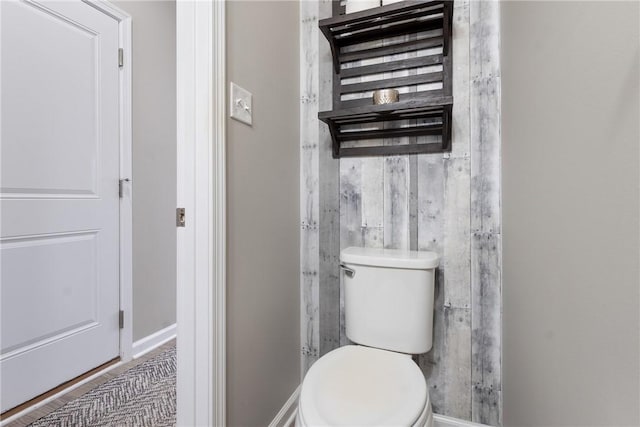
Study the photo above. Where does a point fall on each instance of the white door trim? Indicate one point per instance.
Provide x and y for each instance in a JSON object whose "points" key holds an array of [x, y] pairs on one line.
{"points": [[126, 207], [201, 191]]}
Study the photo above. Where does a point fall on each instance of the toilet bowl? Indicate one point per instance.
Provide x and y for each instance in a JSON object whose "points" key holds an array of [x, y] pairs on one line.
{"points": [[363, 386], [388, 304]]}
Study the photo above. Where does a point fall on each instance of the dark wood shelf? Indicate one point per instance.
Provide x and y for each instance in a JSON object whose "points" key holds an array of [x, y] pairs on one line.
{"points": [[365, 47], [388, 21], [421, 118]]}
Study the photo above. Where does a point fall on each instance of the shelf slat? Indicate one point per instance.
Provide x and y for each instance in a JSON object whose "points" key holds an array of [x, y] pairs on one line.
{"points": [[391, 31], [404, 47], [404, 97], [389, 19], [390, 150], [369, 14], [391, 133], [401, 64], [388, 108], [368, 119], [393, 82]]}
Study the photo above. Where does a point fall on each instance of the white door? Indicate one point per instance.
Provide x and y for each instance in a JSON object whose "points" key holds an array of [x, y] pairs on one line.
{"points": [[59, 150]]}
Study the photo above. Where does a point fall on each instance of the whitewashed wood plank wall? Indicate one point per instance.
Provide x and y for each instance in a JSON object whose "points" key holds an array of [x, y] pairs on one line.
{"points": [[448, 203]]}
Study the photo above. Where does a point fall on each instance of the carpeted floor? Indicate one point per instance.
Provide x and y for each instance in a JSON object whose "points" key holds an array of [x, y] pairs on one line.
{"points": [[144, 395]]}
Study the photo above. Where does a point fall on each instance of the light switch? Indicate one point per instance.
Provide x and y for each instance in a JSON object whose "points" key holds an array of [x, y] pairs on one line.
{"points": [[241, 104]]}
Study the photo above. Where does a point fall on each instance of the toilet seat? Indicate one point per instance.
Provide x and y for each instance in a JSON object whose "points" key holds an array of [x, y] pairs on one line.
{"points": [[355, 385]]}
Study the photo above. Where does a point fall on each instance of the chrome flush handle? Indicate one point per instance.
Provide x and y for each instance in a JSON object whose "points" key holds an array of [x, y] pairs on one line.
{"points": [[348, 271]]}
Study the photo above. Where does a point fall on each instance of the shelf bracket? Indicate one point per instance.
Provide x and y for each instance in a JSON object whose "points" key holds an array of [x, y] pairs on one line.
{"points": [[447, 26]]}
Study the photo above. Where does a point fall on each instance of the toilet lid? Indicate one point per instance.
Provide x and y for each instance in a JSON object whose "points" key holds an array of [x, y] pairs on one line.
{"points": [[355, 385]]}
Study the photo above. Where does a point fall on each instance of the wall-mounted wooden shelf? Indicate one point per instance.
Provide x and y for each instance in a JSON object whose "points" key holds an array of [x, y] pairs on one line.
{"points": [[431, 116], [401, 45], [387, 21]]}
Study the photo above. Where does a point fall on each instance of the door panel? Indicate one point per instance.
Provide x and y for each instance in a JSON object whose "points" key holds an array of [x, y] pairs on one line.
{"points": [[67, 265], [59, 158], [54, 109]]}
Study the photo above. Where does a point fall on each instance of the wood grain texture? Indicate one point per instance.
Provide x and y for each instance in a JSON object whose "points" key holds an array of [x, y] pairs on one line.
{"points": [[447, 203], [329, 187], [396, 202], [431, 185], [485, 334], [486, 249], [309, 185]]}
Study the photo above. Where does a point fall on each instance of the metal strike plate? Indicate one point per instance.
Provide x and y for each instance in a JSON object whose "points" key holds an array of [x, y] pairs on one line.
{"points": [[180, 218]]}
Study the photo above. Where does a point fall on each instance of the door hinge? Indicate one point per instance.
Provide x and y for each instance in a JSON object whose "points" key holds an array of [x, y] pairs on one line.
{"points": [[120, 57], [121, 185], [180, 220], [121, 319]]}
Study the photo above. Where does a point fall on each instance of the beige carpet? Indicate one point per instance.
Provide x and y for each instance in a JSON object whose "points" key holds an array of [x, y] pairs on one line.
{"points": [[144, 395]]}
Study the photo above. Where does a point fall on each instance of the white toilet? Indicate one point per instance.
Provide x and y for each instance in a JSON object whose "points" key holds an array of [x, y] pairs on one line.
{"points": [[389, 315]]}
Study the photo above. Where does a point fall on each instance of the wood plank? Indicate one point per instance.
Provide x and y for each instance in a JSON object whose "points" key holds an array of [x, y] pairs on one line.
{"points": [[485, 40], [457, 366], [424, 104], [396, 199], [431, 238], [486, 250], [457, 251], [353, 18], [372, 170], [428, 24], [309, 187], [486, 325], [404, 97], [385, 19], [456, 231], [456, 289], [431, 129], [421, 61], [391, 49], [390, 150], [485, 149], [350, 217], [393, 83], [329, 206], [457, 203], [460, 81], [413, 200], [429, 116]]}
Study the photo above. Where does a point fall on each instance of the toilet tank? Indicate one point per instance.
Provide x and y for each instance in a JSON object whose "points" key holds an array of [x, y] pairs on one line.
{"points": [[388, 298]]}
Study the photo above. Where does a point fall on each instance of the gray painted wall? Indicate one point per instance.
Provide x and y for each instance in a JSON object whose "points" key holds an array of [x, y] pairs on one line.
{"points": [[263, 331], [448, 203], [154, 164], [571, 134]]}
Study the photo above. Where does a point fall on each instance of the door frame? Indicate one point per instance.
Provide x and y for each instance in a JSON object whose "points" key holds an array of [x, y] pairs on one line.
{"points": [[201, 244], [201, 190], [125, 174]]}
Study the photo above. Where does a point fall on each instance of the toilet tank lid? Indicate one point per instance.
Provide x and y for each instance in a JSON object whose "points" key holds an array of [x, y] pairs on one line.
{"points": [[394, 258]]}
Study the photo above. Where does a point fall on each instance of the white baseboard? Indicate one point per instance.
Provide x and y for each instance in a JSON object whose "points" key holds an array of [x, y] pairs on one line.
{"points": [[444, 421], [287, 414], [155, 340]]}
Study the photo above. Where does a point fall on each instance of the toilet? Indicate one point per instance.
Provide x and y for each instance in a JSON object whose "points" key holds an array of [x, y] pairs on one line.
{"points": [[388, 307]]}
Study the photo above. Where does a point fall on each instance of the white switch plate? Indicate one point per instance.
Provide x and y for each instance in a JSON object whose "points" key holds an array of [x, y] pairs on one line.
{"points": [[241, 104]]}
